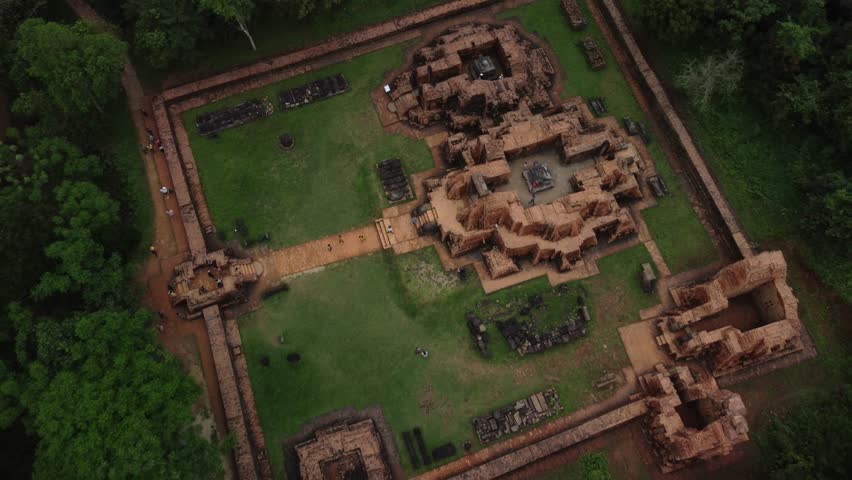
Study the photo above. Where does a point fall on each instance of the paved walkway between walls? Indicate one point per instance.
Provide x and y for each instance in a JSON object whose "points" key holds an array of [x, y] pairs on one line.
{"points": [[282, 263]]}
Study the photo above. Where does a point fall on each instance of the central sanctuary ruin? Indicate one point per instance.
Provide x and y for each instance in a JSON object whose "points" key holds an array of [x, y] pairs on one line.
{"points": [[528, 178]]}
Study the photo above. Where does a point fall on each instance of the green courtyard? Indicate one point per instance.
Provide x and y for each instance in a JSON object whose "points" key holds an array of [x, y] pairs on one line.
{"points": [[356, 325], [328, 182]]}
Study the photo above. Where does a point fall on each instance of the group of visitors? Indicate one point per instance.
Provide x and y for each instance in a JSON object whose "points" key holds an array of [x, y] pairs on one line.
{"points": [[152, 143]]}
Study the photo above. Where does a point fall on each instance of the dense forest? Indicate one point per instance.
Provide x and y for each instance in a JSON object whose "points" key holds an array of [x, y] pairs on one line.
{"points": [[793, 59], [85, 390]]}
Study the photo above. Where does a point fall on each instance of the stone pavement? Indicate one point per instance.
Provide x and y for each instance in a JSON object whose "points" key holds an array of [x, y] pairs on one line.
{"points": [[280, 264]]}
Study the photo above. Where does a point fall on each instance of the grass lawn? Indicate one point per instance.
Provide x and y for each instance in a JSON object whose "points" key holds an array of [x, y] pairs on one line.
{"points": [[328, 182], [673, 223], [356, 325]]}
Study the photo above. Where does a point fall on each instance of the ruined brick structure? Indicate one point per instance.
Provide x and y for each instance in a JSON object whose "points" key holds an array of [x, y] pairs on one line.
{"points": [[342, 452], [470, 215], [215, 279], [727, 348], [689, 418], [575, 16], [448, 83]]}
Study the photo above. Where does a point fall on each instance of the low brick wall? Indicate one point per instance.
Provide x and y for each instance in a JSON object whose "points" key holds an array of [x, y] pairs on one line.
{"points": [[697, 171], [231, 398], [335, 44], [194, 235], [539, 450]]}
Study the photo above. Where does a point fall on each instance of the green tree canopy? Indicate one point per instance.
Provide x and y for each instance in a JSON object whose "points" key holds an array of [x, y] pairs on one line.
{"points": [[13, 12], [119, 408], [711, 78], [813, 441], [237, 11], [165, 32], [70, 70]]}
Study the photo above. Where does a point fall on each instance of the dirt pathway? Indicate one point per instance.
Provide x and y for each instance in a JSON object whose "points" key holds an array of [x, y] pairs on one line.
{"points": [[169, 235]]}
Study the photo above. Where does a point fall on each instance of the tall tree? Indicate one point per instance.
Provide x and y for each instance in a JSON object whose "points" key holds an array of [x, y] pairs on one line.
{"points": [[165, 31], [714, 77], [676, 20], [75, 69], [13, 12], [237, 11], [115, 405]]}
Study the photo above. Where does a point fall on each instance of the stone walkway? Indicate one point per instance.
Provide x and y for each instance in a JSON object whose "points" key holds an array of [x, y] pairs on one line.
{"points": [[280, 264]]}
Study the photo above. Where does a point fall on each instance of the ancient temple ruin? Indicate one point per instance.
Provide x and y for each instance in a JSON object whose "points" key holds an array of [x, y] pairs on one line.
{"points": [[470, 75], [215, 279], [746, 314], [689, 418], [343, 452], [471, 215]]}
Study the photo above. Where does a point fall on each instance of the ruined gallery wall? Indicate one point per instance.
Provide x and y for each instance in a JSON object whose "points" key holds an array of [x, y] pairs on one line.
{"points": [[769, 302], [230, 394], [369, 34], [697, 171], [194, 236], [241, 373]]}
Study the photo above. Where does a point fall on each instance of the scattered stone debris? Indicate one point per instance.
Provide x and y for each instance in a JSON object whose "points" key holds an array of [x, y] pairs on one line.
{"points": [[606, 380], [598, 106], [637, 128], [517, 416], [394, 181], [409, 447], [479, 333], [575, 16], [647, 278], [421, 446], [630, 126], [213, 122], [520, 321], [594, 57], [443, 452], [317, 90], [658, 186], [524, 338]]}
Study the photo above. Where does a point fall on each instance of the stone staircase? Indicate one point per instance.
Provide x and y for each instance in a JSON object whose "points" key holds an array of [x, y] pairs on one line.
{"points": [[388, 239], [428, 216]]}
